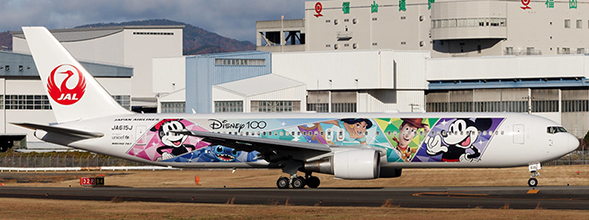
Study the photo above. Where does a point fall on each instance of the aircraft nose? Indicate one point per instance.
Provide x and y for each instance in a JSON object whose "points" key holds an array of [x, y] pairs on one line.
{"points": [[572, 142]]}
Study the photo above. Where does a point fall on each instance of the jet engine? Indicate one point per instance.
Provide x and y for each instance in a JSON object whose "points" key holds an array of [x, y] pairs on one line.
{"points": [[349, 164]]}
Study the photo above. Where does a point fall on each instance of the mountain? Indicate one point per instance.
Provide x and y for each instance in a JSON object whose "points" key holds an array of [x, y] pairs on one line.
{"points": [[195, 40]]}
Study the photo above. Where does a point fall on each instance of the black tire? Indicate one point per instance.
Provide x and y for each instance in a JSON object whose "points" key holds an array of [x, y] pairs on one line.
{"points": [[298, 183], [313, 182], [283, 183], [532, 182]]}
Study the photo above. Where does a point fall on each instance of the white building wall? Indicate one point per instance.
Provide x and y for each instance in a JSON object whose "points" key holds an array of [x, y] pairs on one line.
{"points": [[96, 50], [367, 29], [139, 50], [507, 67], [387, 100], [334, 70], [169, 74], [116, 86]]}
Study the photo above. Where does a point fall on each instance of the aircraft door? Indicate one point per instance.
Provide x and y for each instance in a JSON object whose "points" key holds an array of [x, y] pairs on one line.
{"points": [[140, 131], [518, 134]]}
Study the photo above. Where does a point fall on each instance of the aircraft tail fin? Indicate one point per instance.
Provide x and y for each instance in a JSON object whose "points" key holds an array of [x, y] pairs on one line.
{"points": [[73, 93]]}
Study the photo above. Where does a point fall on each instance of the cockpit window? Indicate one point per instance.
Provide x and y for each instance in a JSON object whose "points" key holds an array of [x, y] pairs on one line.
{"points": [[555, 129]]}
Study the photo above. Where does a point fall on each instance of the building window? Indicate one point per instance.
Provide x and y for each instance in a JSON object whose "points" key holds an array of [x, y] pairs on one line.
{"points": [[153, 33], [33, 102], [228, 106], [579, 24], [173, 107], [567, 23], [123, 100], [544, 105], [566, 50], [509, 51], [343, 107], [240, 62], [580, 50], [275, 106]]}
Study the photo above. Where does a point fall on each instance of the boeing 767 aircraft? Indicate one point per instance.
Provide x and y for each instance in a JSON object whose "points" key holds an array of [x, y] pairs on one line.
{"points": [[347, 145]]}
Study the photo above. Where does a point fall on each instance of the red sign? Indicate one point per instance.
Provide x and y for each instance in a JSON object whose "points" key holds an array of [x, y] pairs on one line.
{"points": [[62, 94], [526, 3], [87, 181], [319, 8]]}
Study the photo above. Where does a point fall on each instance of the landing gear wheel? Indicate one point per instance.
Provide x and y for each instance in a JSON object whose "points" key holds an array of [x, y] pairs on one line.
{"points": [[283, 183], [313, 182], [532, 182], [298, 183]]}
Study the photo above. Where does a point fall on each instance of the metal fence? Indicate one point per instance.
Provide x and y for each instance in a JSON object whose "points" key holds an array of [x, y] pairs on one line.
{"points": [[95, 160], [26, 160], [574, 158]]}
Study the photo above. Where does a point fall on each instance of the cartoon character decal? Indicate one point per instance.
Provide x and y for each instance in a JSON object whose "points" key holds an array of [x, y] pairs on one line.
{"points": [[160, 144], [400, 139], [173, 143], [458, 140], [404, 135]]}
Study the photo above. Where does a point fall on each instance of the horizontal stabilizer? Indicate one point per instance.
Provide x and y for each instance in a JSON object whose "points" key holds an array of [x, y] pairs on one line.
{"points": [[61, 130]]}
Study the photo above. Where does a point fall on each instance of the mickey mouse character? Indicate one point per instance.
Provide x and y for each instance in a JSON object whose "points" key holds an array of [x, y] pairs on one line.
{"points": [[173, 142], [461, 136]]}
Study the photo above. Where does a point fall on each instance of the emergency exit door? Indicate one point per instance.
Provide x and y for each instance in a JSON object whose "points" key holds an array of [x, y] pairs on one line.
{"points": [[518, 134]]}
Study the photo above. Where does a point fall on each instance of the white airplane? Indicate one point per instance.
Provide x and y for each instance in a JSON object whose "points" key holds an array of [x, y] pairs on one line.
{"points": [[347, 145]]}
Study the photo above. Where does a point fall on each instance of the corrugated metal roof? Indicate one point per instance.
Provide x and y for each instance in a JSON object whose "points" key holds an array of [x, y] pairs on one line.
{"points": [[259, 85]]}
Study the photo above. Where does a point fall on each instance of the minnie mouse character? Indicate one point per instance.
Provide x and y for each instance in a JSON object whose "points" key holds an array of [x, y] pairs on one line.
{"points": [[173, 142]]}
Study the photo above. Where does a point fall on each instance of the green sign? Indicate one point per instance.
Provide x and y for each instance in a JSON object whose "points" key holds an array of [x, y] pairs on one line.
{"points": [[573, 4], [402, 5], [429, 4], [549, 3], [374, 7], [346, 7]]}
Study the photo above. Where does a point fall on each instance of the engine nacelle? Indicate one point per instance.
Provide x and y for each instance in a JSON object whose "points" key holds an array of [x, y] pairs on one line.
{"points": [[350, 164]]}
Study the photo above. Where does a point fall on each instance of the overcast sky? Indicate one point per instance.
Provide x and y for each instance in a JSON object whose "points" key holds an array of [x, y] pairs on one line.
{"points": [[230, 18]]}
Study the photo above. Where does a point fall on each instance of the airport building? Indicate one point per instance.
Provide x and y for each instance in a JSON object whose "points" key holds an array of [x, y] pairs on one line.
{"points": [[487, 55], [120, 58], [130, 46], [348, 56], [447, 28]]}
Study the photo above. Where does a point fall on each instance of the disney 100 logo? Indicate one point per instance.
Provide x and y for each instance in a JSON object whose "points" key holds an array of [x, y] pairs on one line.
{"points": [[217, 124]]}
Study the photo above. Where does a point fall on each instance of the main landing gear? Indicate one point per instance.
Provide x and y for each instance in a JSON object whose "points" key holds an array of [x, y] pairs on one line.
{"points": [[533, 182], [298, 182]]}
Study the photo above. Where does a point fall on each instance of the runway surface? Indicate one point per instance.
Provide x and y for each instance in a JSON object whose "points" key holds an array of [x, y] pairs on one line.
{"points": [[549, 197]]}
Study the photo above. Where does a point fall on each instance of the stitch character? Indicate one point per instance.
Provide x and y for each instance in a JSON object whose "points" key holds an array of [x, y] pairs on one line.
{"points": [[453, 144], [173, 142]]}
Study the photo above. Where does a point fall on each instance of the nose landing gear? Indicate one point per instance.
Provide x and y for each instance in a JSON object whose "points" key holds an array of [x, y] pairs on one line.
{"points": [[533, 182]]}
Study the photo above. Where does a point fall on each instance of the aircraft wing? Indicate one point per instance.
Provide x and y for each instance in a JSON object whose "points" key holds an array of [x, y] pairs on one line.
{"points": [[61, 130], [270, 149]]}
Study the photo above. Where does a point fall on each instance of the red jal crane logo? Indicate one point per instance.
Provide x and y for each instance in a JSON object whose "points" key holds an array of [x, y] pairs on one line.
{"points": [[63, 94]]}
